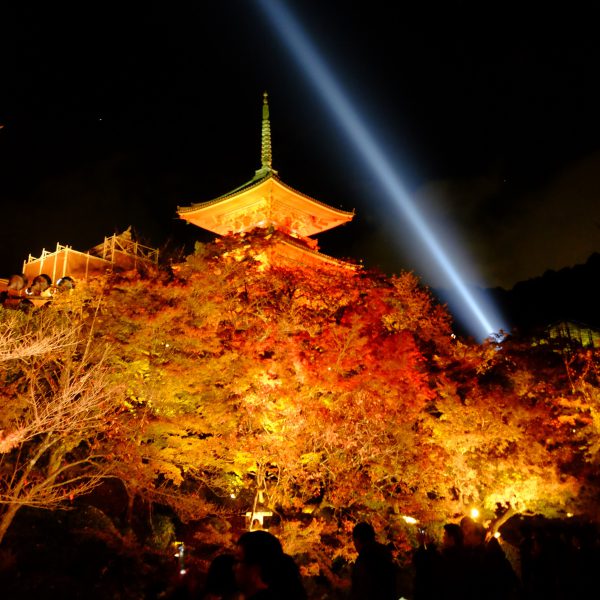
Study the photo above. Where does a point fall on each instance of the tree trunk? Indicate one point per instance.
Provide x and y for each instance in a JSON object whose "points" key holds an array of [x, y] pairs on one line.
{"points": [[7, 518], [497, 523], [130, 501], [15, 491]]}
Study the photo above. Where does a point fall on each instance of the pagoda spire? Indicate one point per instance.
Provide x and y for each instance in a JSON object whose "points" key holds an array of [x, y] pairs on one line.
{"points": [[266, 156], [265, 202]]}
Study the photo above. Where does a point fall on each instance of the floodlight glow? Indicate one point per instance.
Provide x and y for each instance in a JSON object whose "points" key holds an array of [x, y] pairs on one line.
{"points": [[480, 324]]}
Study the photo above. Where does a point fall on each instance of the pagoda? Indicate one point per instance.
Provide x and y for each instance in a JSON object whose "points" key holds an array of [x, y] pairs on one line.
{"points": [[267, 206]]}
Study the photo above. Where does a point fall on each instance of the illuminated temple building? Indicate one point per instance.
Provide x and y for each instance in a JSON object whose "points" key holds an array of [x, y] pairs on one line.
{"points": [[267, 206]]}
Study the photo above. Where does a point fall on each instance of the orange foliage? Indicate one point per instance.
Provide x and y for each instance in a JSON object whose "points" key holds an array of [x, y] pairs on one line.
{"points": [[334, 388]]}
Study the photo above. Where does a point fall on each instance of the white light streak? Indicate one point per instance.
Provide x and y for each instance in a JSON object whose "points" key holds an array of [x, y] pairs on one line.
{"points": [[372, 155]]}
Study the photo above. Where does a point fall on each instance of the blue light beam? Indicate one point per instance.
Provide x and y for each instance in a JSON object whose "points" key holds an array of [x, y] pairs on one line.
{"points": [[355, 128]]}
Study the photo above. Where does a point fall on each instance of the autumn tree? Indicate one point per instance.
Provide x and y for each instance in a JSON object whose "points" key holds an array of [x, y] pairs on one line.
{"points": [[302, 381], [333, 389], [57, 406], [515, 432]]}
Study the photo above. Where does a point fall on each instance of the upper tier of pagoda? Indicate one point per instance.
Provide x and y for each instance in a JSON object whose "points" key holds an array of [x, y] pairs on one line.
{"points": [[265, 202]]}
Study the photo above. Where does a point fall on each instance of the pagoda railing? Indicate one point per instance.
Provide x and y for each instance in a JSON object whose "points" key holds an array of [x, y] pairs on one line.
{"points": [[120, 243]]}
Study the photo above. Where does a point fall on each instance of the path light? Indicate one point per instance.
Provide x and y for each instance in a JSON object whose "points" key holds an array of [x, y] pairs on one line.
{"points": [[255, 518], [475, 513], [409, 520], [180, 556]]}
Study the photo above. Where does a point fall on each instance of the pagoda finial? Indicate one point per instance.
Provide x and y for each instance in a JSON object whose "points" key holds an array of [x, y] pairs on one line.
{"points": [[266, 159]]}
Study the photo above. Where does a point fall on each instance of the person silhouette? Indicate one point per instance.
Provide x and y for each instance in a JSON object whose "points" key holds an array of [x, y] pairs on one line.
{"points": [[220, 579], [425, 562], [491, 574], [453, 575], [263, 571], [374, 572]]}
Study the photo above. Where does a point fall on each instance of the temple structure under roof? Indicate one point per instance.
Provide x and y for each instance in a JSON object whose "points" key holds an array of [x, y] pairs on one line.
{"points": [[267, 203]]}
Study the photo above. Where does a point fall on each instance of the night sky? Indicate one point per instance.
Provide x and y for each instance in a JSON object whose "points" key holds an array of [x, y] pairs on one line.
{"points": [[490, 113]]}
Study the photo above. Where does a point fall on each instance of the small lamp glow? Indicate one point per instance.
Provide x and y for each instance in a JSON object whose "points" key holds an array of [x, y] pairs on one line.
{"points": [[180, 556], [474, 513], [409, 520]]}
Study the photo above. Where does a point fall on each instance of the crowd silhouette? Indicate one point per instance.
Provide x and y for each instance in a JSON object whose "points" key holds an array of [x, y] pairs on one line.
{"points": [[468, 563]]}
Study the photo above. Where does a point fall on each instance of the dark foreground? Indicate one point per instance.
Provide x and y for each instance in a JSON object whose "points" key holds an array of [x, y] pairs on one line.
{"points": [[80, 554]]}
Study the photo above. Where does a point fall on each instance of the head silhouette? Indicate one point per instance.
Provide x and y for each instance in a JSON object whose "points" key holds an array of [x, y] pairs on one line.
{"points": [[363, 534], [262, 564]]}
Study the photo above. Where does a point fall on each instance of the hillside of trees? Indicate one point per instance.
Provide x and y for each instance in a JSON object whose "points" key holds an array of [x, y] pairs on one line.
{"points": [[167, 405], [567, 294]]}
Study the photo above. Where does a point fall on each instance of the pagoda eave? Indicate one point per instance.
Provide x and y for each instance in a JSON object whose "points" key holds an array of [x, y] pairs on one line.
{"points": [[266, 203]]}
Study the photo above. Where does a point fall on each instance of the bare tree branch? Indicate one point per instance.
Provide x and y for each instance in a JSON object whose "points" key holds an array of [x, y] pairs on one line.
{"points": [[56, 417]]}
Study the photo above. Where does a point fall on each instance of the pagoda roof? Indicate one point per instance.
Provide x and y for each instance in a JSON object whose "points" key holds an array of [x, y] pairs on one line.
{"points": [[277, 248], [265, 201], [288, 250]]}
